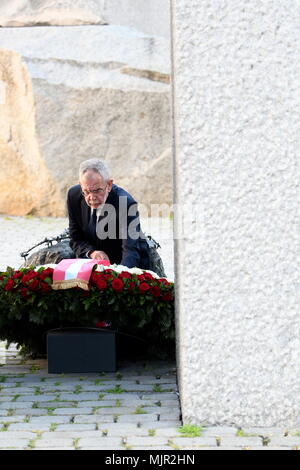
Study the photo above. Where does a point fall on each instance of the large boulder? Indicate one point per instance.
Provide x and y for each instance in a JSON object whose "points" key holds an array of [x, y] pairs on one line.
{"points": [[151, 17], [100, 91], [26, 184]]}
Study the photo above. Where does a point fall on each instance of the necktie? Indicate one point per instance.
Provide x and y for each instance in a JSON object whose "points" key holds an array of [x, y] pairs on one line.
{"points": [[92, 223]]}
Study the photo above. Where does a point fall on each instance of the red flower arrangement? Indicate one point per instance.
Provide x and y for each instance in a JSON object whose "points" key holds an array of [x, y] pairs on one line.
{"points": [[135, 303]]}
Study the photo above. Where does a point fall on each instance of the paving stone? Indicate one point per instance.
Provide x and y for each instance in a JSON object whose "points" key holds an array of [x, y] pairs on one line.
{"points": [[15, 405], [137, 418], [100, 442], [148, 448], [12, 419], [121, 396], [58, 404], [92, 418], [17, 391], [219, 431], [162, 424], [49, 419], [12, 435], [35, 398], [150, 441], [96, 447], [172, 415], [75, 427], [72, 411], [54, 443], [240, 441], [36, 412], [168, 431], [15, 444], [265, 431], [114, 411], [82, 396], [160, 396], [285, 441], [189, 442], [123, 430], [29, 427]]}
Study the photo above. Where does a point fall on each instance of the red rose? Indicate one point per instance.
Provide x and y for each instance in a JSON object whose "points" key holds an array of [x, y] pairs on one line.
{"points": [[24, 293], [131, 286], [29, 276], [148, 276], [125, 275], [155, 291], [45, 287], [117, 285], [9, 285], [101, 284], [168, 296], [48, 272], [141, 277], [144, 287], [17, 275], [33, 285]]}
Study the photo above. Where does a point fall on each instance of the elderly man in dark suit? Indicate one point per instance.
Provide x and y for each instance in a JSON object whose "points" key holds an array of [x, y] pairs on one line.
{"points": [[104, 220]]}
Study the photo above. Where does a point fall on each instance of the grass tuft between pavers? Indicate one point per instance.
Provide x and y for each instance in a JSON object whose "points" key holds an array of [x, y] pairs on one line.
{"points": [[190, 430]]}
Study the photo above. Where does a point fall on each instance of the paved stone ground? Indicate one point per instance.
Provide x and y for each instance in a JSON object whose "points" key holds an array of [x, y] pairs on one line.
{"points": [[136, 408]]}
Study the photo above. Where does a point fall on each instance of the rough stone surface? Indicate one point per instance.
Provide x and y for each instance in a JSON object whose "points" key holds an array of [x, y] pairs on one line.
{"points": [[100, 91], [237, 101], [149, 17], [20, 157]]}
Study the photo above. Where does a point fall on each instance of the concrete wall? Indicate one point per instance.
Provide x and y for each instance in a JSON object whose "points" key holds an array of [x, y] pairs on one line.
{"points": [[236, 104]]}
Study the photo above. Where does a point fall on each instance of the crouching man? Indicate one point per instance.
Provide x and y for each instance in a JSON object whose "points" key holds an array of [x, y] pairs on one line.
{"points": [[104, 220]]}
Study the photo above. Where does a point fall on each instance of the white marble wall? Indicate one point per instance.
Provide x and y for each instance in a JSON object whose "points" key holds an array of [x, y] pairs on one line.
{"points": [[236, 102]]}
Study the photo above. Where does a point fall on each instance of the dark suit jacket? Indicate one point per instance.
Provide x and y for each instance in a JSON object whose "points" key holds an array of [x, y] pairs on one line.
{"points": [[127, 251]]}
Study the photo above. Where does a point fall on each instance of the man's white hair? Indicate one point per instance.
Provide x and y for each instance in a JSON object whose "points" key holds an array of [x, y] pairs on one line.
{"points": [[96, 165]]}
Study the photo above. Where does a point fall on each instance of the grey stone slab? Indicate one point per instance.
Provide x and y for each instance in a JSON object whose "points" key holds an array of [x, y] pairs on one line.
{"points": [[49, 419], [161, 424], [172, 415], [265, 431], [291, 441], [54, 443], [12, 435], [100, 442], [29, 427], [189, 442], [36, 412], [120, 396], [16, 405], [159, 396], [219, 431], [149, 448], [138, 418], [72, 411], [58, 404], [96, 447], [121, 430], [17, 391], [76, 427], [15, 444], [168, 431], [35, 398], [82, 396], [229, 441], [150, 441], [92, 418], [114, 411], [12, 419]]}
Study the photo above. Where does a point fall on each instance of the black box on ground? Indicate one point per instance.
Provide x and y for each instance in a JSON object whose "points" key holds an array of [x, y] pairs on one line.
{"points": [[81, 350]]}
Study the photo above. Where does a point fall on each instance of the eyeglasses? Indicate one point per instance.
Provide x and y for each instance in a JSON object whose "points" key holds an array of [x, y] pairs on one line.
{"points": [[98, 191]]}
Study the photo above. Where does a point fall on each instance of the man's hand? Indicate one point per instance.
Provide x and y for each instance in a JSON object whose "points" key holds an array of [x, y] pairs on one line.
{"points": [[99, 255]]}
